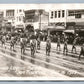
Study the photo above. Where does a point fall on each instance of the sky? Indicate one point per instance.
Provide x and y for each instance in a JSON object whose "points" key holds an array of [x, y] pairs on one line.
{"points": [[47, 7]]}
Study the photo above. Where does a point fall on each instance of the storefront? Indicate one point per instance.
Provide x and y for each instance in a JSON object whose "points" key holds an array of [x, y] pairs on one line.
{"points": [[70, 35], [54, 31], [80, 30]]}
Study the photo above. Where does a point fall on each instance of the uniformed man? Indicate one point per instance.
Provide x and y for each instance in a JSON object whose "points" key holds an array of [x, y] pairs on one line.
{"points": [[58, 43], [48, 46], [3, 40], [12, 43], [33, 47], [65, 50], [38, 43], [82, 51], [74, 45], [22, 45]]}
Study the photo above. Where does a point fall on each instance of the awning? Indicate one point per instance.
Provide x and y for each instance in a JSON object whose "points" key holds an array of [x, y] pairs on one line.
{"points": [[47, 27], [58, 28], [69, 31], [80, 24], [54, 28], [19, 26]]}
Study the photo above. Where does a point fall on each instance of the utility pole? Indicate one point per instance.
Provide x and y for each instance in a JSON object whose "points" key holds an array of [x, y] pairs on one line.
{"points": [[40, 21], [40, 13]]}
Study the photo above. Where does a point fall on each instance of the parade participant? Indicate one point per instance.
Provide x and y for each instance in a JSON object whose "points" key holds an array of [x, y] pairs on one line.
{"points": [[33, 47], [48, 46], [25, 45], [38, 43], [22, 45], [12, 43], [58, 43], [3, 40], [81, 52], [74, 45], [65, 50]]}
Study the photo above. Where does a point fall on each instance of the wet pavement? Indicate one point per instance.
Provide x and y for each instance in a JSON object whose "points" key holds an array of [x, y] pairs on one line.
{"points": [[16, 64], [13, 64]]}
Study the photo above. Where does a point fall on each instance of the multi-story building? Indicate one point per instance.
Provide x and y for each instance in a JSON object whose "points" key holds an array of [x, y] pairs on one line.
{"points": [[38, 18], [14, 18], [57, 17], [57, 21], [70, 19], [1, 19], [75, 20]]}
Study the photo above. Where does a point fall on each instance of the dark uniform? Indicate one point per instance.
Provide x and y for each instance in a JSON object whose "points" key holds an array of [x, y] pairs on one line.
{"points": [[3, 40], [38, 43], [48, 47], [65, 46], [12, 43], [74, 45], [58, 43], [81, 52], [23, 45], [33, 47]]}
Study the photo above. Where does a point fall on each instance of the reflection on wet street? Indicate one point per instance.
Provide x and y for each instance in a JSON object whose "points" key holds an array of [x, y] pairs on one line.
{"points": [[16, 64], [32, 60], [47, 60]]}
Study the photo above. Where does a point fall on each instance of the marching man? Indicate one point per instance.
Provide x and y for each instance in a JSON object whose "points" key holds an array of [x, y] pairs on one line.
{"points": [[58, 44], [48, 46], [82, 51], [65, 50]]}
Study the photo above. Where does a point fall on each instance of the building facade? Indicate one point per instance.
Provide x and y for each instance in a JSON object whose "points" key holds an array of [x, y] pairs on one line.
{"points": [[14, 18], [38, 18], [57, 17], [70, 19], [1, 19]]}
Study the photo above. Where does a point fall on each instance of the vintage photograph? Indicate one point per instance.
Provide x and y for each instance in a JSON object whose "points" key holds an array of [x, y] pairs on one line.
{"points": [[42, 40]]}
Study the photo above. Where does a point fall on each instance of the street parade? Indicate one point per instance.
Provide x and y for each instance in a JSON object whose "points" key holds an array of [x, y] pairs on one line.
{"points": [[42, 42]]}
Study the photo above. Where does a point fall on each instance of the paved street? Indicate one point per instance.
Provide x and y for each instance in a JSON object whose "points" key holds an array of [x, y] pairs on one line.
{"points": [[12, 63]]}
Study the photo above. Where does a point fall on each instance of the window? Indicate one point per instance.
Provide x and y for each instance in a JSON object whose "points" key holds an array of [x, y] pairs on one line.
{"points": [[52, 14], [19, 18], [55, 14], [59, 14], [6, 14], [20, 10], [10, 13], [78, 16], [63, 12]]}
